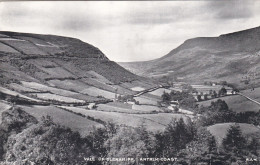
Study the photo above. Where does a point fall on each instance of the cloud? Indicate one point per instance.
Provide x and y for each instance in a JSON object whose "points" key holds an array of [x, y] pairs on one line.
{"points": [[130, 30], [231, 9], [169, 12]]}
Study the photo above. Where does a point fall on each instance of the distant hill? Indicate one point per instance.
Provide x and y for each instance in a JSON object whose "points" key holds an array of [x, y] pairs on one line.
{"points": [[233, 57]]}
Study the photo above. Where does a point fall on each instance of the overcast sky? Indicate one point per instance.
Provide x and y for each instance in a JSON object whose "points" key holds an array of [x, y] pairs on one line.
{"points": [[131, 31]]}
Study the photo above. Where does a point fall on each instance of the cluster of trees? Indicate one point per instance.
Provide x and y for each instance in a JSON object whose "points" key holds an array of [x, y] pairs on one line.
{"points": [[185, 99], [27, 140], [233, 149], [219, 112], [213, 94], [126, 98]]}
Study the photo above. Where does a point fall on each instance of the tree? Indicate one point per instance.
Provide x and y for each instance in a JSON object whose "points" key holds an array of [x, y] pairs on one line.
{"points": [[188, 88], [223, 83], [166, 97], [254, 146], [222, 91], [199, 97], [234, 140], [175, 137], [206, 96], [202, 150], [130, 143], [215, 95], [191, 129], [98, 136], [188, 102], [217, 112], [219, 105]]}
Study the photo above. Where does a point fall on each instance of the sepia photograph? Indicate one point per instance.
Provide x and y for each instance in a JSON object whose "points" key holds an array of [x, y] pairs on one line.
{"points": [[130, 82]]}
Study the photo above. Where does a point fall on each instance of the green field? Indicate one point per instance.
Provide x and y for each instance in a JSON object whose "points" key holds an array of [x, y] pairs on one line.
{"points": [[57, 91], [114, 108], [21, 88], [254, 94], [93, 91], [99, 77], [45, 88], [220, 130], [120, 104], [146, 108], [64, 118], [13, 93], [140, 84], [49, 96], [134, 120], [57, 72], [160, 91], [146, 100], [74, 85], [128, 108], [137, 89], [5, 48], [162, 118], [236, 102], [153, 122], [25, 47]]}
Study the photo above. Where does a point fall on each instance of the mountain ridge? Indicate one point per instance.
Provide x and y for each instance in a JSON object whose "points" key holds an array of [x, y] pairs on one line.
{"points": [[226, 57], [71, 46]]}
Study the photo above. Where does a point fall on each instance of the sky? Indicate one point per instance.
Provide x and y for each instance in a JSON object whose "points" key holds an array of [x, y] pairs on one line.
{"points": [[131, 30]]}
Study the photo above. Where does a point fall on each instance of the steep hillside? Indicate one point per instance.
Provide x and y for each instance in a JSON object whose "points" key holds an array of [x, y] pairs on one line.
{"points": [[61, 68], [232, 57]]}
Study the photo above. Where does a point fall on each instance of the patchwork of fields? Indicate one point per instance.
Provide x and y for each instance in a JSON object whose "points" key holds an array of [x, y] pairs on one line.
{"points": [[14, 93], [57, 92], [25, 47]]}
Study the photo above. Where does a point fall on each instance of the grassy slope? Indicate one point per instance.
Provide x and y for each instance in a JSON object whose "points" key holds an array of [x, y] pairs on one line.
{"points": [[153, 122], [220, 130], [239, 103], [254, 94], [114, 108], [67, 119], [119, 118]]}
